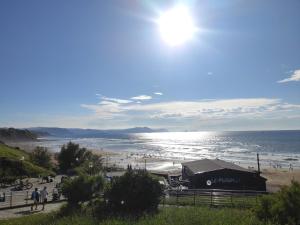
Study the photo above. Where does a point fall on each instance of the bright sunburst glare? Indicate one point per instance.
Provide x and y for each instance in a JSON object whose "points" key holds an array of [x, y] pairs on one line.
{"points": [[176, 26]]}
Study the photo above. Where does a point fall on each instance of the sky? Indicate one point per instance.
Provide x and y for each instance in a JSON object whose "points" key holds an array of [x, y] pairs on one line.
{"points": [[104, 65]]}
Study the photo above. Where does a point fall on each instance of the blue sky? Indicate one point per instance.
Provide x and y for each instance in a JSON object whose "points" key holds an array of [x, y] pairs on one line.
{"points": [[103, 64]]}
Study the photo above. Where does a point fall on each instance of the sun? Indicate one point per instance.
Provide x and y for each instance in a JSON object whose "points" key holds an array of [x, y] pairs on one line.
{"points": [[176, 26]]}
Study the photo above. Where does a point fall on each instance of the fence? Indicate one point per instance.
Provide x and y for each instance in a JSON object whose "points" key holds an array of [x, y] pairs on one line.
{"points": [[189, 197], [19, 198], [212, 197]]}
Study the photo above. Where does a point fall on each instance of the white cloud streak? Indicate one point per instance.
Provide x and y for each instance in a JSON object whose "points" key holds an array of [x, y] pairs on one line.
{"points": [[158, 93], [116, 100], [142, 97], [294, 77]]}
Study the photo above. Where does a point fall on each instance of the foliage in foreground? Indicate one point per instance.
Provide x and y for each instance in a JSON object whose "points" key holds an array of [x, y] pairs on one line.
{"points": [[82, 189], [166, 216], [136, 191], [281, 208]]}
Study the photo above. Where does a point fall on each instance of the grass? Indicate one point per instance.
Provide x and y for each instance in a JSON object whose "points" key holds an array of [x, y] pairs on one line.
{"points": [[14, 154], [166, 216]]}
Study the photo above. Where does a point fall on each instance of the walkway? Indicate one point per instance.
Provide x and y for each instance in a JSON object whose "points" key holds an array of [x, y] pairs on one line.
{"points": [[18, 212]]}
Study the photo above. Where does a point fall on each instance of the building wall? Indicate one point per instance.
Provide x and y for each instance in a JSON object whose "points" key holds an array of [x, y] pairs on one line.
{"points": [[226, 179]]}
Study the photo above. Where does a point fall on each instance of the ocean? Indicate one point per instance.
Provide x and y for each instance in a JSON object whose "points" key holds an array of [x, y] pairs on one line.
{"points": [[276, 148]]}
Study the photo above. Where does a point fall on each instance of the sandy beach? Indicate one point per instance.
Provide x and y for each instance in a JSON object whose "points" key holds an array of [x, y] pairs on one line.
{"points": [[278, 178]]}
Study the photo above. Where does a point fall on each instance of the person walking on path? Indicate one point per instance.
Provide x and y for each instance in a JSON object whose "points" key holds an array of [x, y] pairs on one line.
{"points": [[35, 196], [44, 195]]}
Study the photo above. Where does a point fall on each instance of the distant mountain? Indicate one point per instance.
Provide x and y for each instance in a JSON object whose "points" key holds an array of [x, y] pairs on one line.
{"points": [[89, 133], [15, 135], [51, 131]]}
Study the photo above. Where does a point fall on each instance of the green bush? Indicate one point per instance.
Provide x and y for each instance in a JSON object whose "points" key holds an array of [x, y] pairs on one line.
{"points": [[41, 157], [281, 208], [134, 192], [82, 189]]}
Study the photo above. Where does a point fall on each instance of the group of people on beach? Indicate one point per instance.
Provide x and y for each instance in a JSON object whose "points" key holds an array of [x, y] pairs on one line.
{"points": [[39, 197]]}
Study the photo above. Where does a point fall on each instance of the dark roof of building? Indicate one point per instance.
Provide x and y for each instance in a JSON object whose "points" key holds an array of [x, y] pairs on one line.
{"points": [[206, 165]]}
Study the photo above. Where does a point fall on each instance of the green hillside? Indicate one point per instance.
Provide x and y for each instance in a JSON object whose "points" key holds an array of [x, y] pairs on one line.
{"points": [[15, 163], [14, 153]]}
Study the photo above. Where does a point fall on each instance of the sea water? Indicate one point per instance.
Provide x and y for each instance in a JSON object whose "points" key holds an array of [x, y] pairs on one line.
{"points": [[278, 149]]}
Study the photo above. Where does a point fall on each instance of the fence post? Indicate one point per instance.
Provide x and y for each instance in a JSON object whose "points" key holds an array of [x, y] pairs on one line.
{"points": [[211, 202], [194, 198], [26, 202], [10, 199]]}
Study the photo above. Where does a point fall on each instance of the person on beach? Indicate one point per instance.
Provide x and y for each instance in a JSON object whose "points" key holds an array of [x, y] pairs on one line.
{"points": [[35, 196], [44, 195]]}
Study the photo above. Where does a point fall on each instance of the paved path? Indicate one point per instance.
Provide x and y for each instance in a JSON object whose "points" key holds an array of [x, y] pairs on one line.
{"points": [[18, 212], [19, 197]]}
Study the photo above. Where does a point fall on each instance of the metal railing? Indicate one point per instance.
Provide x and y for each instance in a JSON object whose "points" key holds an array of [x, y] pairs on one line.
{"points": [[212, 197], [188, 197]]}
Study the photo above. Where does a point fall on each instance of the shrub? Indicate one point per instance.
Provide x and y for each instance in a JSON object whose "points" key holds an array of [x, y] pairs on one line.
{"points": [[282, 207], [41, 157], [82, 189], [134, 192], [92, 166]]}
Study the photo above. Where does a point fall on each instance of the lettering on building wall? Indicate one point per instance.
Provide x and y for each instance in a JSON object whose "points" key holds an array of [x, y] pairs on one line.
{"points": [[223, 180]]}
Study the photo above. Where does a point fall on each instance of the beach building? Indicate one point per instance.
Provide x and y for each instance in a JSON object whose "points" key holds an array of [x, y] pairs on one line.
{"points": [[219, 174]]}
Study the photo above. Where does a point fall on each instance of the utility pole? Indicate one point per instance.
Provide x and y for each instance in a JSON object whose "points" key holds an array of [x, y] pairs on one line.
{"points": [[258, 166]]}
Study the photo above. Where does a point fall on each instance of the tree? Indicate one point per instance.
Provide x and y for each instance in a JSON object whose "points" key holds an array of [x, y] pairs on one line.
{"points": [[92, 166], [41, 157], [134, 192], [82, 189], [72, 156], [282, 207]]}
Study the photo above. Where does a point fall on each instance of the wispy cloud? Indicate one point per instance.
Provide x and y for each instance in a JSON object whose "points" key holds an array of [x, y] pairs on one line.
{"points": [[200, 110], [294, 77], [158, 93], [116, 100], [201, 114], [142, 97]]}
